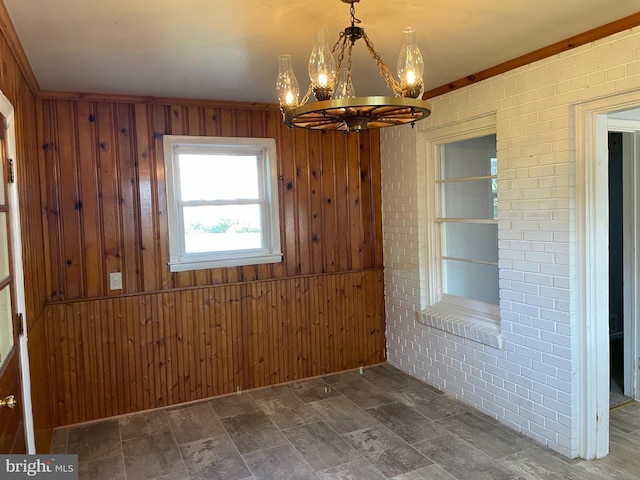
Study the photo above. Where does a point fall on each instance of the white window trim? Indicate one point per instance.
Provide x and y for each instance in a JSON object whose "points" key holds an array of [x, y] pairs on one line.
{"points": [[467, 318], [178, 260]]}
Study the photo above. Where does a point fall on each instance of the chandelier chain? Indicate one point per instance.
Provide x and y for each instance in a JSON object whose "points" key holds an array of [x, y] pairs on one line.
{"points": [[342, 39], [352, 10], [342, 43], [382, 67], [307, 95], [348, 86]]}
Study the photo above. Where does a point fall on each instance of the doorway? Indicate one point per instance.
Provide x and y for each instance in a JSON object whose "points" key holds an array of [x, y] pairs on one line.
{"points": [[619, 361], [592, 123], [623, 140]]}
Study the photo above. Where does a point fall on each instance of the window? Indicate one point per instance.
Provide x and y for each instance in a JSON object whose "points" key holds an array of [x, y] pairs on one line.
{"points": [[466, 221], [459, 214], [222, 201]]}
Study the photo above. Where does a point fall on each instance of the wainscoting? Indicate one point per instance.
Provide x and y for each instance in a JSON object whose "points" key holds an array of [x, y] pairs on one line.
{"points": [[119, 355]]}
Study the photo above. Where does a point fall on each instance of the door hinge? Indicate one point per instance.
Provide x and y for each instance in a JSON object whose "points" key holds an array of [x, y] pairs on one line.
{"points": [[10, 177], [20, 324]]}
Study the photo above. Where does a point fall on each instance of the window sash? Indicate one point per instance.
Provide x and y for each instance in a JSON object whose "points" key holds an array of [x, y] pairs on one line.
{"points": [[456, 246], [469, 213], [190, 163], [267, 202]]}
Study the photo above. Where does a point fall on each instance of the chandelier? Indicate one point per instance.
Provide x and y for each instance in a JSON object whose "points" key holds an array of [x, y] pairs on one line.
{"points": [[337, 107]]}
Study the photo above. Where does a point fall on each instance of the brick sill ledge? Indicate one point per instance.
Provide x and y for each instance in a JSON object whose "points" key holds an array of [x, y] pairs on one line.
{"points": [[462, 323]]}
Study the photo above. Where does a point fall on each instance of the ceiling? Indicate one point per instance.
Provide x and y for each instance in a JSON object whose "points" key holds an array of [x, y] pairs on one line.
{"points": [[227, 50]]}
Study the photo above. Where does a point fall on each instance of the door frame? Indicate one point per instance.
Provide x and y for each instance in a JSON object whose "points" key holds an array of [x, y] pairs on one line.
{"points": [[592, 269], [7, 111]]}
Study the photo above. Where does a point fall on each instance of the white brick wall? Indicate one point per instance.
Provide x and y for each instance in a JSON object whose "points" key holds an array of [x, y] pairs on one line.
{"points": [[529, 384]]}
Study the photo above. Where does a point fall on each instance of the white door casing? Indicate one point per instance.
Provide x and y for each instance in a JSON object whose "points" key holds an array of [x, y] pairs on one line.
{"points": [[592, 269], [7, 111]]}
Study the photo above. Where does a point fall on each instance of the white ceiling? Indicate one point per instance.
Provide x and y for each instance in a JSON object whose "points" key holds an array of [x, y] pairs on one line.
{"points": [[227, 50]]}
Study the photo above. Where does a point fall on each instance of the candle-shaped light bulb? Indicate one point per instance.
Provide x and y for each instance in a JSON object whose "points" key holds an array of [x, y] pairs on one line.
{"points": [[289, 98], [410, 65], [411, 77]]}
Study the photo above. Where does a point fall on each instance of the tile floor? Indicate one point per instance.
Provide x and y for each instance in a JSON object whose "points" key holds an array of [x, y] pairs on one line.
{"points": [[375, 425]]}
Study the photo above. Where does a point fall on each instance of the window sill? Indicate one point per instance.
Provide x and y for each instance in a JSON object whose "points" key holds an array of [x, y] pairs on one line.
{"points": [[230, 261], [463, 323]]}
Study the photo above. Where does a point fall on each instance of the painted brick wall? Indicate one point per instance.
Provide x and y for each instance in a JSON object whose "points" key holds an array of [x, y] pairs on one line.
{"points": [[529, 384]]}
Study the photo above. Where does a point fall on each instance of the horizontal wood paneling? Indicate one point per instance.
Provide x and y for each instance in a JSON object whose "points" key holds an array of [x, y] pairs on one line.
{"points": [[112, 356], [105, 197]]}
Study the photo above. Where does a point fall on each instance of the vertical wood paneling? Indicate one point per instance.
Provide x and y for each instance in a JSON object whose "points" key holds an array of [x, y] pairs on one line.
{"points": [[147, 201], [315, 202], [173, 305], [160, 127], [123, 354], [354, 199], [114, 355], [108, 189], [90, 205], [342, 245], [287, 191], [375, 186], [40, 383], [329, 208], [128, 199], [68, 199], [301, 188], [367, 202], [169, 337]]}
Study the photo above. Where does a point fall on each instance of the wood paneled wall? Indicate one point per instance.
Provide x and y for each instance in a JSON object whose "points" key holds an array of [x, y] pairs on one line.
{"points": [[125, 354], [105, 207], [18, 85], [169, 337]]}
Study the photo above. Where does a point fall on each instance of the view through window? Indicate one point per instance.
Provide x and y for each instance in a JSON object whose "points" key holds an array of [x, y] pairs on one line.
{"points": [[468, 219], [222, 201]]}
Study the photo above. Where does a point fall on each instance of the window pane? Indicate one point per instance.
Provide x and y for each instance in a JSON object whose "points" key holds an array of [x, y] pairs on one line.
{"points": [[218, 177], [471, 241], [469, 158], [468, 199], [6, 325], [471, 280], [4, 247], [222, 228], [2, 179]]}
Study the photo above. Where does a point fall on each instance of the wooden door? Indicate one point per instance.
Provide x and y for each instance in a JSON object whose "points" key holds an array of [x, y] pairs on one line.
{"points": [[12, 433]]}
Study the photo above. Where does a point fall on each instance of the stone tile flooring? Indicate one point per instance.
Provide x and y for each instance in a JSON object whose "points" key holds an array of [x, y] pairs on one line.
{"points": [[375, 425]]}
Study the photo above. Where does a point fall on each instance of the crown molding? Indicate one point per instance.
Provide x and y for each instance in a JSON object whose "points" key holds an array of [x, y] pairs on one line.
{"points": [[116, 98], [589, 36], [10, 34]]}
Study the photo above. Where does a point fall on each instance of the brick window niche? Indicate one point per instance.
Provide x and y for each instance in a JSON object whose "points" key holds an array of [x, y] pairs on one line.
{"points": [[460, 266]]}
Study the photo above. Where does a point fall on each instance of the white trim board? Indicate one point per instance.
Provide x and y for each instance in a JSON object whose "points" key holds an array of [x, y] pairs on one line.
{"points": [[592, 270]]}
